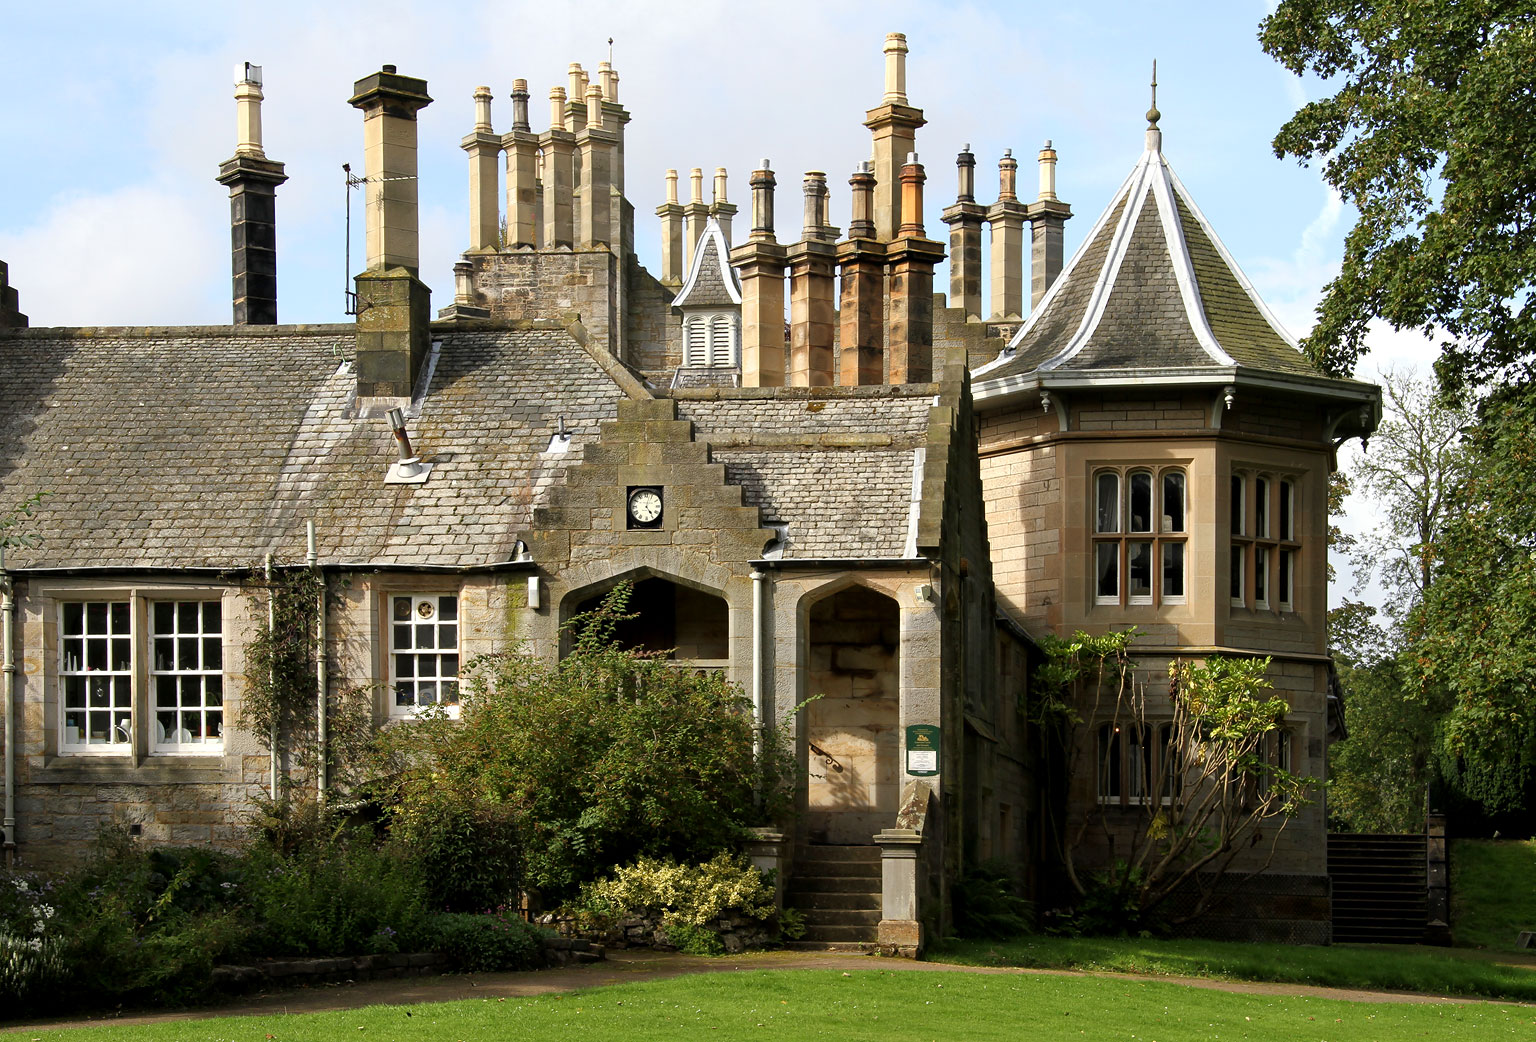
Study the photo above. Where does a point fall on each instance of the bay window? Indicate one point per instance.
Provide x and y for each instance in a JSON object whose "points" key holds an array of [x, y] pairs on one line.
{"points": [[1139, 535]]}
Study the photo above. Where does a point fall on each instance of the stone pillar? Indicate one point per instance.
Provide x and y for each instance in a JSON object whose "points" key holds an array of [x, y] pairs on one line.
{"points": [[596, 222], [252, 179], [910, 262], [893, 125], [901, 926], [522, 148], [719, 208], [559, 147], [10, 304], [393, 333], [965, 218], [671, 215], [812, 263], [484, 149], [760, 262], [861, 260], [767, 850], [696, 214], [1047, 215], [1007, 219]]}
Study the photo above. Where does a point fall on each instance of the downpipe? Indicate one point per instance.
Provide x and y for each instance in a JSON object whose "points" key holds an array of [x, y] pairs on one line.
{"points": [[8, 657]]}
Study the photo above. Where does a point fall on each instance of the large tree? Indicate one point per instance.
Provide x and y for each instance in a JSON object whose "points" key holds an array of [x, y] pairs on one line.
{"points": [[1431, 134]]}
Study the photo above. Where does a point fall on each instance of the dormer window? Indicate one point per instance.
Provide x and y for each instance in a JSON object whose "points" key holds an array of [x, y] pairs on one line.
{"points": [[1140, 532]]}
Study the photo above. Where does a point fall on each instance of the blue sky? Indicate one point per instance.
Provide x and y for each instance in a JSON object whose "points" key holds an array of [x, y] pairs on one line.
{"points": [[117, 117]]}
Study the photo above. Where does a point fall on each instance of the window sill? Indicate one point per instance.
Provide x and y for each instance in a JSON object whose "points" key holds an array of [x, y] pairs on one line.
{"points": [[158, 770]]}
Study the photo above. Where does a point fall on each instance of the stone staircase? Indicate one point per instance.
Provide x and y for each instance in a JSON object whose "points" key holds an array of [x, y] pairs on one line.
{"points": [[837, 889], [1380, 892]]}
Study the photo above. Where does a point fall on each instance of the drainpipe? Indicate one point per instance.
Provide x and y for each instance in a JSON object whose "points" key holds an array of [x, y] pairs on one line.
{"points": [[8, 635], [312, 559], [272, 673], [759, 580]]}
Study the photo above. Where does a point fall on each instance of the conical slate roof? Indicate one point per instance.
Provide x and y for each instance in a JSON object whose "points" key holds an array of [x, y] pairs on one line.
{"points": [[711, 281], [1151, 288]]}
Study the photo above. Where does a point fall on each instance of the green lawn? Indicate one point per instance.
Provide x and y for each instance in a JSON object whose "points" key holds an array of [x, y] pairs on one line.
{"points": [[796, 1005], [1493, 891], [1440, 971]]}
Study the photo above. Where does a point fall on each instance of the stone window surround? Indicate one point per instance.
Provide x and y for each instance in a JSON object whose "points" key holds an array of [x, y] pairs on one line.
{"points": [[1159, 533], [1264, 545], [1115, 789], [51, 596], [385, 665]]}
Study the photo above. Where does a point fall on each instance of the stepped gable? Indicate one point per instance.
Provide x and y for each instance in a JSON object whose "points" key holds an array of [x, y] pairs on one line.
{"points": [[711, 280], [1151, 288], [211, 446], [833, 471]]}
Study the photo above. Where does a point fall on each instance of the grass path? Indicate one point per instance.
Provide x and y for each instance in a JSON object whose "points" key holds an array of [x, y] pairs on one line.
{"points": [[637, 968], [877, 1001]]}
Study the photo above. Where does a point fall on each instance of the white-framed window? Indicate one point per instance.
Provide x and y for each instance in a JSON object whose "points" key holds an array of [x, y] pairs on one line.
{"points": [[96, 676], [423, 652], [138, 672], [1265, 551], [1140, 532], [186, 675]]}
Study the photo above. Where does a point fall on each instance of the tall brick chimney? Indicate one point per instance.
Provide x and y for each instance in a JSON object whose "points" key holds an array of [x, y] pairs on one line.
{"points": [[393, 305], [965, 218], [861, 260], [910, 260], [893, 125], [252, 179], [812, 312], [760, 261], [1006, 217]]}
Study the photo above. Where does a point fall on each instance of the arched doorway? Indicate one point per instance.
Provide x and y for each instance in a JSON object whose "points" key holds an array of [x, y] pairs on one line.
{"points": [[692, 625], [853, 639]]}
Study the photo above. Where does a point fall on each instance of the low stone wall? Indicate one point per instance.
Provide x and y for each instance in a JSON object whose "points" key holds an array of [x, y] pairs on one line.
{"points": [[558, 951], [737, 933]]}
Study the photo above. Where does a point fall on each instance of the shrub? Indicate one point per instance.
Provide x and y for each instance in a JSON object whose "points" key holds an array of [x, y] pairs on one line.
{"points": [[987, 903], [466, 849], [498, 940], [343, 897], [686, 898]]}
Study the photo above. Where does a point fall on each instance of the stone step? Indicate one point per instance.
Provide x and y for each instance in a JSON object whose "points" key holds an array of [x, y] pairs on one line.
{"points": [[844, 934], [834, 884], [838, 852], [805, 900], [841, 916], [861, 947], [856, 869]]}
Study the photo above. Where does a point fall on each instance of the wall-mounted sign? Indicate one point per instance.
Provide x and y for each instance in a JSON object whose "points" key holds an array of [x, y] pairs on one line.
{"points": [[922, 750]]}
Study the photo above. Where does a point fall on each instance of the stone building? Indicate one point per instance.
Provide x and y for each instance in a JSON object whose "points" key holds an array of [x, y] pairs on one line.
{"points": [[881, 500]]}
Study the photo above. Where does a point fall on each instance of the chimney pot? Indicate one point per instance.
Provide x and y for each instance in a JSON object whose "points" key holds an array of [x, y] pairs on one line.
{"points": [[520, 106], [594, 96], [557, 108], [388, 70], [895, 69], [696, 185], [672, 187], [719, 196]]}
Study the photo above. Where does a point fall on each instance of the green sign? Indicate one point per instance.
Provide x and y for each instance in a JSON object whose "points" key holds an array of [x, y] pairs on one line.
{"points": [[922, 750]]}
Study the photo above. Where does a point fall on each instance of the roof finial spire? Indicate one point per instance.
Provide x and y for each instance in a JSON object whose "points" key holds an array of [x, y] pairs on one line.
{"points": [[1154, 135]]}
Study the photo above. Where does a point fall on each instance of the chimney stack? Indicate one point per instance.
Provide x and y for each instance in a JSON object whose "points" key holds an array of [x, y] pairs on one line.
{"points": [[812, 266], [484, 148], [393, 316], [893, 125], [1006, 217], [965, 218], [695, 214], [10, 305], [1047, 216], [760, 262], [559, 147], [522, 148], [910, 263], [721, 209], [595, 144], [252, 179], [861, 260], [671, 215]]}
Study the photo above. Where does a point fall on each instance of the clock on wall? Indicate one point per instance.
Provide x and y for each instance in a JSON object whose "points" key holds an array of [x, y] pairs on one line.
{"points": [[643, 507]]}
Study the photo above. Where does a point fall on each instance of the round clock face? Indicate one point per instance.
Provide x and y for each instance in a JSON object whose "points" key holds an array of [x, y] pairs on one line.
{"points": [[645, 505]]}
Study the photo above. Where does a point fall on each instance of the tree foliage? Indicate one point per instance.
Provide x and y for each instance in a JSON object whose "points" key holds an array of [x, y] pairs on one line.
{"points": [[1431, 134], [598, 759], [1213, 790]]}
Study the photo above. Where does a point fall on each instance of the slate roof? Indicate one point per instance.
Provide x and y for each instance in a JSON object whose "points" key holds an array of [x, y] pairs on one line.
{"points": [[711, 281], [1151, 288], [836, 473], [209, 447]]}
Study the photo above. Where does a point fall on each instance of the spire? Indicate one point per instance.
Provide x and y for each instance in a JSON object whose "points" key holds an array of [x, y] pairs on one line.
{"points": [[1154, 135]]}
